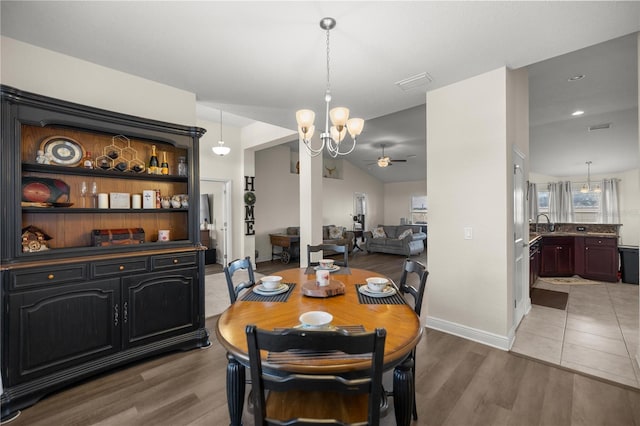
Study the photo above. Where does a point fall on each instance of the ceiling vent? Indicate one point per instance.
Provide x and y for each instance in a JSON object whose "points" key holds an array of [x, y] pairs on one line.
{"points": [[412, 82], [603, 126]]}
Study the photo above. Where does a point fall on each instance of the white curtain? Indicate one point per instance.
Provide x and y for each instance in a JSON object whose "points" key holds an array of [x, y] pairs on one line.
{"points": [[560, 202], [609, 210], [532, 198]]}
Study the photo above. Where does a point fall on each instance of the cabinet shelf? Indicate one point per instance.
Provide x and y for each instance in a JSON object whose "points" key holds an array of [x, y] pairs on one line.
{"points": [[79, 171], [65, 210]]}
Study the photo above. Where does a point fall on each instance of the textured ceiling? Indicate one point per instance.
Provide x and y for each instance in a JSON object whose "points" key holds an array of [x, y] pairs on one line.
{"points": [[264, 60]]}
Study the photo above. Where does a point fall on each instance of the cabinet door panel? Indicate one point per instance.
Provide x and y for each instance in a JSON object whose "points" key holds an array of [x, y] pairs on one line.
{"points": [[63, 326], [548, 258], [565, 260], [601, 263], [557, 257], [160, 305]]}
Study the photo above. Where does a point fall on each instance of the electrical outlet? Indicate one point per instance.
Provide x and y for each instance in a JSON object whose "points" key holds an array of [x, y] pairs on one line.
{"points": [[581, 228]]}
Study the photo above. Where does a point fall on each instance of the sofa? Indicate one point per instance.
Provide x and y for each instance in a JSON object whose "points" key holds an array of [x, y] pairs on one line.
{"points": [[331, 234], [407, 240]]}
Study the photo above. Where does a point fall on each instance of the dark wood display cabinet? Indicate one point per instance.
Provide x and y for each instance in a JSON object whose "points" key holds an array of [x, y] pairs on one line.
{"points": [[82, 305]]}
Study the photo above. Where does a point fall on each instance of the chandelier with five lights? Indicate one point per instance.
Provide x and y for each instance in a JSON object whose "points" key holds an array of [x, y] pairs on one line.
{"points": [[333, 136]]}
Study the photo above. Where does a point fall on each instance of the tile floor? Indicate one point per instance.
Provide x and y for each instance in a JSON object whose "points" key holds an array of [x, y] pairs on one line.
{"points": [[597, 334]]}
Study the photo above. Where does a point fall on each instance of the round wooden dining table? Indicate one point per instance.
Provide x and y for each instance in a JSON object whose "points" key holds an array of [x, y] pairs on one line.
{"points": [[351, 310]]}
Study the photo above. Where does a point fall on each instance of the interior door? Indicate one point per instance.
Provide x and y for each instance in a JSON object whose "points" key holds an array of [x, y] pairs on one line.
{"points": [[220, 221], [520, 239]]}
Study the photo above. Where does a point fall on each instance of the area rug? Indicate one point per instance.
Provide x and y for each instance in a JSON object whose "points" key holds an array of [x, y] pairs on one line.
{"points": [[216, 295], [549, 298], [575, 280]]}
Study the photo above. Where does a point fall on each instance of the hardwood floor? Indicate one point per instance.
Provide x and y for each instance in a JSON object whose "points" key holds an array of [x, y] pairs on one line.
{"points": [[459, 382]]}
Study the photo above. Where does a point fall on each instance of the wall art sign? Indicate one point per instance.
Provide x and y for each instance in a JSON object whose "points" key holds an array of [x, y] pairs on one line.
{"points": [[249, 201]]}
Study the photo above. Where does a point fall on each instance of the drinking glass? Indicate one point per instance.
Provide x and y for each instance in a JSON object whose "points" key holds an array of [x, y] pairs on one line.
{"points": [[83, 193], [94, 195]]}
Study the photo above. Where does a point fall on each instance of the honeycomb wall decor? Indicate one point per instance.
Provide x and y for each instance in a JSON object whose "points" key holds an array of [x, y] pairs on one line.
{"points": [[119, 155]]}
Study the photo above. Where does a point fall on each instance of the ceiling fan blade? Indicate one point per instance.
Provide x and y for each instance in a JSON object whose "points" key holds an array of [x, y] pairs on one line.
{"points": [[398, 161]]}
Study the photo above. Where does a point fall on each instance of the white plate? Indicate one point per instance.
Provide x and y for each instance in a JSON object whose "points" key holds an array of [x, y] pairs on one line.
{"points": [[332, 269], [259, 289], [388, 291]]}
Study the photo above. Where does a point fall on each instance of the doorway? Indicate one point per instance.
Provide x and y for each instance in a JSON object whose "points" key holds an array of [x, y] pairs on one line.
{"points": [[218, 225], [520, 240]]}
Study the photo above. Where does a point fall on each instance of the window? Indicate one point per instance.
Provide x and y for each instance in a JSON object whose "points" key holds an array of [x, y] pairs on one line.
{"points": [[586, 205], [585, 202], [543, 200]]}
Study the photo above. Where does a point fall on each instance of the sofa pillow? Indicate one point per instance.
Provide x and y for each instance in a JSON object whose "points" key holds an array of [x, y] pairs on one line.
{"points": [[405, 233], [378, 232], [335, 232]]}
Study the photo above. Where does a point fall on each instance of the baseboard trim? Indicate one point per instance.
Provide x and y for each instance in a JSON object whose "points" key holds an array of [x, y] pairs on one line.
{"points": [[490, 339]]}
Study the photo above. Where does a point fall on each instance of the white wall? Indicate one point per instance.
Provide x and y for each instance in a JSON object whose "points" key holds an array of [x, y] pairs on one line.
{"points": [[338, 207], [397, 200], [226, 168], [629, 187], [277, 205], [48, 73], [470, 280], [277, 198]]}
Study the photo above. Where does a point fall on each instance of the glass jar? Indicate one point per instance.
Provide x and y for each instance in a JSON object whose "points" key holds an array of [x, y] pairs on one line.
{"points": [[182, 166]]}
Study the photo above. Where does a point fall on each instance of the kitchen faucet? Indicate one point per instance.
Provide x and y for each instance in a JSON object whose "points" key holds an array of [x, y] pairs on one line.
{"points": [[550, 226]]}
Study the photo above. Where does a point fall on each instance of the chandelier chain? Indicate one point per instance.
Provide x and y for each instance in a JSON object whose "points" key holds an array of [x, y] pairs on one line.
{"points": [[331, 137], [328, 66]]}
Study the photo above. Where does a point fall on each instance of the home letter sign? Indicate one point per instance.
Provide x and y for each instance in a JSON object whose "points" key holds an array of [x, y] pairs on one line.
{"points": [[249, 200]]}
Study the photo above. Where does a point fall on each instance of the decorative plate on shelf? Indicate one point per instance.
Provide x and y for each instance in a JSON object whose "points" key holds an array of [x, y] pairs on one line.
{"points": [[64, 151]]}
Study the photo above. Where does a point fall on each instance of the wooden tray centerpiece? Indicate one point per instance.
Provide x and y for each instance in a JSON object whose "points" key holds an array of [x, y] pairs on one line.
{"points": [[312, 289]]}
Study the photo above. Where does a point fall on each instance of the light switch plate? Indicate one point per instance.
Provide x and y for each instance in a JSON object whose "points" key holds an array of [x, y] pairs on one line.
{"points": [[468, 233]]}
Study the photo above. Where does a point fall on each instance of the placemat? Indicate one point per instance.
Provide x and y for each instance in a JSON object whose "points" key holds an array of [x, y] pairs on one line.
{"points": [[396, 299], [250, 296], [344, 270]]}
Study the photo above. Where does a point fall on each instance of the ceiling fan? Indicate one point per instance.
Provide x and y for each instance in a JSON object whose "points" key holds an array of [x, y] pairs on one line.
{"points": [[385, 160]]}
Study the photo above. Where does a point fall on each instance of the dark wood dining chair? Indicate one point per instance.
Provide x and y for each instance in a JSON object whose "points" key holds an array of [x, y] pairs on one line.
{"points": [[236, 287], [413, 281], [289, 399], [339, 249]]}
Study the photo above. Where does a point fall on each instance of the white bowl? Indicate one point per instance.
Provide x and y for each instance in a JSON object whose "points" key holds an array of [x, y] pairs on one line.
{"points": [[326, 263], [271, 282], [316, 319], [377, 283]]}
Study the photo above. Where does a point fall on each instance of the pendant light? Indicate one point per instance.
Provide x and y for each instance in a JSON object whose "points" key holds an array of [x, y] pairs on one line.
{"points": [[587, 186], [221, 150], [333, 136]]}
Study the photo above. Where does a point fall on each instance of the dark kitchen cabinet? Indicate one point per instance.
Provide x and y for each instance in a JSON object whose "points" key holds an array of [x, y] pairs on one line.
{"points": [[80, 306], [534, 262], [600, 259], [557, 257]]}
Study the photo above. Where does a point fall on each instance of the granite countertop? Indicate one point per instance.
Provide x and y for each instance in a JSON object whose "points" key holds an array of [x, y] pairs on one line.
{"points": [[534, 236]]}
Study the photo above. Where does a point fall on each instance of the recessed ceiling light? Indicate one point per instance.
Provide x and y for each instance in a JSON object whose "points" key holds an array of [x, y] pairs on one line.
{"points": [[576, 77], [577, 113]]}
